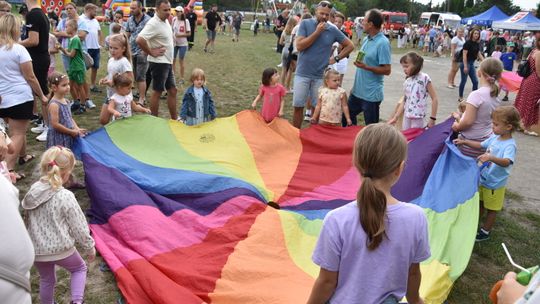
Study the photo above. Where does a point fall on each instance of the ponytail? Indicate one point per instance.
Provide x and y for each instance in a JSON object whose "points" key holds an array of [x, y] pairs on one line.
{"points": [[372, 205], [491, 69], [54, 175], [379, 150], [494, 91]]}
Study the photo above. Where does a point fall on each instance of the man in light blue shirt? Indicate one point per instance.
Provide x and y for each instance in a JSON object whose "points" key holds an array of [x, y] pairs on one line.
{"points": [[367, 92], [314, 43]]}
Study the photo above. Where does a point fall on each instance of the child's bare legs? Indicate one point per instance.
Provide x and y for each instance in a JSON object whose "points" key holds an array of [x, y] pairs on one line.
{"points": [[74, 90], [490, 220], [84, 92], [79, 88]]}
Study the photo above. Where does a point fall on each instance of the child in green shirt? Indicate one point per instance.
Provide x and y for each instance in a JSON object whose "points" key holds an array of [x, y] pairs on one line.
{"points": [[77, 68]]}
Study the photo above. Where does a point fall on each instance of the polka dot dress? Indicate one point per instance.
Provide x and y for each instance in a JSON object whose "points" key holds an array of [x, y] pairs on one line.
{"points": [[528, 95]]}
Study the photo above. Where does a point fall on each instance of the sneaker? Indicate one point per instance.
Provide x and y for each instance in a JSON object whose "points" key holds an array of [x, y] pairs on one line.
{"points": [[95, 89], [43, 136], [36, 119], [80, 110], [75, 106], [3, 125], [39, 129], [90, 104], [307, 117], [481, 236], [505, 98], [280, 65]]}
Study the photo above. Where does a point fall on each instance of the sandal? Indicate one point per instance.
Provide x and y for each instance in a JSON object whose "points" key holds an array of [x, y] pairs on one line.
{"points": [[26, 159], [531, 133], [18, 176]]}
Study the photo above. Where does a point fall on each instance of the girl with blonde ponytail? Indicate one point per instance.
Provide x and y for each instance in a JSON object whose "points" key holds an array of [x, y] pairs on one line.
{"points": [[56, 224], [369, 250], [476, 122]]}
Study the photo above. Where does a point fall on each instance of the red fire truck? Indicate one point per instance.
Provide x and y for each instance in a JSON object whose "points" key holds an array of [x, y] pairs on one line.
{"points": [[397, 19]]}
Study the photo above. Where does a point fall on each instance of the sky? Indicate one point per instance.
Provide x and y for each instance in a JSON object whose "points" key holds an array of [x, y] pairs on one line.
{"points": [[524, 4]]}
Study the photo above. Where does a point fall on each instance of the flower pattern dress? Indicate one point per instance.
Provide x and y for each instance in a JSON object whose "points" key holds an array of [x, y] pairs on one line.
{"points": [[331, 110]]}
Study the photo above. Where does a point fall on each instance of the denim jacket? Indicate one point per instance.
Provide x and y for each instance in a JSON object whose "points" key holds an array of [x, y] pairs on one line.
{"points": [[189, 104]]}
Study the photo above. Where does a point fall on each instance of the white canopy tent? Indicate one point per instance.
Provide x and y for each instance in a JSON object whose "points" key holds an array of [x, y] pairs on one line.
{"points": [[522, 21]]}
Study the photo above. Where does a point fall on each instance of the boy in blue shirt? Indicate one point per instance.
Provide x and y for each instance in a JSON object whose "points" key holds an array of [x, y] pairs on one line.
{"points": [[508, 59], [496, 164]]}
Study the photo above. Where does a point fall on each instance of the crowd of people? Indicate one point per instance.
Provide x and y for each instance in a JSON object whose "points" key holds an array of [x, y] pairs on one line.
{"points": [[315, 50]]}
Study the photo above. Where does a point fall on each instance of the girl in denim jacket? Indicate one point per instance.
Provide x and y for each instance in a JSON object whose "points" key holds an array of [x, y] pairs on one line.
{"points": [[197, 105]]}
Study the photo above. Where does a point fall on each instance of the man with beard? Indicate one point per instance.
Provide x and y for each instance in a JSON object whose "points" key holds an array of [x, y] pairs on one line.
{"points": [[92, 42], [156, 40], [134, 26], [314, 42], [192, 18], [37, 44]]}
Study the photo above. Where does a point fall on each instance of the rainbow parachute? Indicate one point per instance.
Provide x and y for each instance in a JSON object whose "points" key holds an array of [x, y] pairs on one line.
{"points": [[181, 214]]}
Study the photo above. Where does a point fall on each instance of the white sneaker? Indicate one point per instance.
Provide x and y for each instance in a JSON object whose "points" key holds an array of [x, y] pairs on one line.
{"points": [[3, 125], [280, 65], [43, 136], [90, 104], [39, 129]]}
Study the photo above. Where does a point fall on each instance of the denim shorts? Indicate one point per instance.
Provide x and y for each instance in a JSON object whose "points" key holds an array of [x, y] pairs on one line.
{"points": [[304, 88], [211, 35], [180, 51], [140, 65], [94, 53]]}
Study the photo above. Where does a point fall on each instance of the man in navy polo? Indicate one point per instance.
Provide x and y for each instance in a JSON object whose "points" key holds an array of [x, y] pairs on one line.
{"points": [[367, 92]]}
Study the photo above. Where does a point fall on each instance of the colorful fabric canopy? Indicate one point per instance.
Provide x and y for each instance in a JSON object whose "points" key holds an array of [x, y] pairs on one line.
{"points": [[182, 215]]}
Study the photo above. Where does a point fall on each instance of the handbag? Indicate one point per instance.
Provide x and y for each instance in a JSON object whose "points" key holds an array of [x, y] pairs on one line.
{"points": [[524, 69], [88, 60]]}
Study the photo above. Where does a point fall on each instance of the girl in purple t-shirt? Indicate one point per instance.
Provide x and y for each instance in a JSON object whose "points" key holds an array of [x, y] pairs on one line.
{"points": [[475, 124], [272, 92], [369, 250]]}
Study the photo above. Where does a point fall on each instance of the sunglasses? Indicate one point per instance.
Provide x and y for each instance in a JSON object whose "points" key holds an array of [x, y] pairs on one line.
{"points": [[325, 4]]}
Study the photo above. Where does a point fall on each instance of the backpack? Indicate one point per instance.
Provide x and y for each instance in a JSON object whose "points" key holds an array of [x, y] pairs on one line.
{"points": [[524, 69]]}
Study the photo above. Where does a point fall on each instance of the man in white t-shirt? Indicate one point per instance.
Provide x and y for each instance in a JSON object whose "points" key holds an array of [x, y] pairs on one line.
{"points": [[156, 40], [92, 42]]}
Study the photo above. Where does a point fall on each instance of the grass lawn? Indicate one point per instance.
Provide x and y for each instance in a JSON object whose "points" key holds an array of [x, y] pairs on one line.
{"points": [[233, 76]]}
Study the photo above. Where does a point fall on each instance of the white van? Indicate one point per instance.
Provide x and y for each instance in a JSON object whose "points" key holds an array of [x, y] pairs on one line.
{"points": [[440, 19]]}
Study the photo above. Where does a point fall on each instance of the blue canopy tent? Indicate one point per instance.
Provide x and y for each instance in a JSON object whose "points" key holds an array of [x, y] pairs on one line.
{"points": [[522, 21], [486, 18]]}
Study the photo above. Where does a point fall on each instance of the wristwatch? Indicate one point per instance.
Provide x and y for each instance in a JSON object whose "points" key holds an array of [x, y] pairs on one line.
{"points": [[336, 58]]}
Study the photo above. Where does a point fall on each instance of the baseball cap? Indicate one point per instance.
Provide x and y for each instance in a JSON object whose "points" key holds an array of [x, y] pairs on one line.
{"points": [[179, 9]]}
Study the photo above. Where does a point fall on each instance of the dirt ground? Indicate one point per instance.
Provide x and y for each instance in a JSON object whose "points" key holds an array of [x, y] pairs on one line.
{"points": [[524, 179]]}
